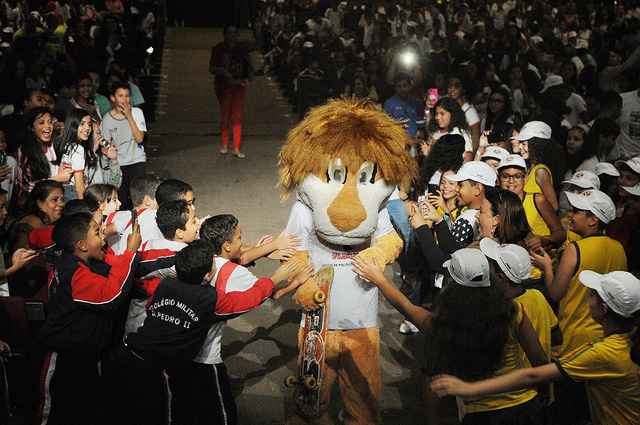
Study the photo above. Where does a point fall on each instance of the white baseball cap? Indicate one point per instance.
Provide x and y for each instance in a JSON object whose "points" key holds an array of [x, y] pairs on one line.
{"points": [[633, 163], [513, 160], [584, 179], [477, 171], [619, 290], [634, 190], [606, 168], [552, 81], [469, 267], [495, 152], [534, 129], [513, 259], [595, 201]]}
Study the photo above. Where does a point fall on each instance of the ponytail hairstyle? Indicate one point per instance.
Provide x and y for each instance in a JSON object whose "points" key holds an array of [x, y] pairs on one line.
{"points": [[70, 137], [551, 154], [33, 157]]}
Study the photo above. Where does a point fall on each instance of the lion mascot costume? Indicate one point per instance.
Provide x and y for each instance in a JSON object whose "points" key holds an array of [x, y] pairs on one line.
{"points": [[343, 161]]}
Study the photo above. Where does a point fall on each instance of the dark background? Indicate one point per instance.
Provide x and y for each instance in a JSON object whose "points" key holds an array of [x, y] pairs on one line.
{"points": [[207, 13]]}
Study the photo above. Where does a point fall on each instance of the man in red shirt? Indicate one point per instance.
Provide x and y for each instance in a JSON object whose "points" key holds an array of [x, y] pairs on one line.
{"points": [[230, 64]]}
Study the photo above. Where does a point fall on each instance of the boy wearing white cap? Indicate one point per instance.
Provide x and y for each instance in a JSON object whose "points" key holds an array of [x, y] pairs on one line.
{"points": [[474, 178], [592, 210], [607, 366], [493, 155]]}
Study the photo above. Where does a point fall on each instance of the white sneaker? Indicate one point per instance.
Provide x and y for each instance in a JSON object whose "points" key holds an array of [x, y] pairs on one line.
{"points": [[408, 328]]}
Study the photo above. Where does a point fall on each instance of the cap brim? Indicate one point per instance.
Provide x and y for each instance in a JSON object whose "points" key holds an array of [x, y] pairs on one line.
{"points": [[634, 190], [490, 248], [458, 178], [580, 183], [521, 137], [578, 201], [591, 279]]}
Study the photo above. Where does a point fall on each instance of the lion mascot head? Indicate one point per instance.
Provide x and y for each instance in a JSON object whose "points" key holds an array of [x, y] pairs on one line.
{"points": [[343, 161]]}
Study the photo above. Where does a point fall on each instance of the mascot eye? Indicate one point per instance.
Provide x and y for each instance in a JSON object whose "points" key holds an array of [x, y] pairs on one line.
{"points": [[337, 172], [367, 173]]}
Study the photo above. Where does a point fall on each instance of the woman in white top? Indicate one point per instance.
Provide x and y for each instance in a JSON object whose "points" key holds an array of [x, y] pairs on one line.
{"points": [[449, 119], [76, 151], [456, 91]]}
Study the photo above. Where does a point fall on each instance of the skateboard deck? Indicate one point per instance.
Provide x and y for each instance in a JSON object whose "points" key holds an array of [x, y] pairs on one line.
{"points": [[311, 357]]}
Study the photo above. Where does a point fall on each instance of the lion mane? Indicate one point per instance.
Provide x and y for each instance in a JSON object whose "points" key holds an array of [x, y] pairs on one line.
{"points": [[354, 130]]}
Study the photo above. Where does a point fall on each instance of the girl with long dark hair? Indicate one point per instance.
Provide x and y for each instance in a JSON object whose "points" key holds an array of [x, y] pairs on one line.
{"points": [[37, 157], [449, 119], [607, 366], [76, 151], [472, 328]]}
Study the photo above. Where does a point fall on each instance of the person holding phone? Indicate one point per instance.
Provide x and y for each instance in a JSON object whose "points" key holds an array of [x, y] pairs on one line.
{"points": [[125, 126]]}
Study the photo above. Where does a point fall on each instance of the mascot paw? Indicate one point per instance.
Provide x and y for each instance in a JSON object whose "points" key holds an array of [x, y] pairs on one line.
{"points": [[372, 255]]}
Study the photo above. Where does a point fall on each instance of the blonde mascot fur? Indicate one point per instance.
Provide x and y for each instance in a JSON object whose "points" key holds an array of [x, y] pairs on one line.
{"points": [[343, 161]]}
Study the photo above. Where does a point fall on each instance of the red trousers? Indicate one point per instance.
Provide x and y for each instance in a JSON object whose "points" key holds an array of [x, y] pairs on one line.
{"points": [[231, 100]]}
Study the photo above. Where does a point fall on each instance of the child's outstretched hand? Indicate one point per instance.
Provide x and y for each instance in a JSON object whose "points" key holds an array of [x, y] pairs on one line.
{"points": [[301, 277], [264, 240], [21, 257], [368, 270], [444, 385], [285, 241], [282, 254]]}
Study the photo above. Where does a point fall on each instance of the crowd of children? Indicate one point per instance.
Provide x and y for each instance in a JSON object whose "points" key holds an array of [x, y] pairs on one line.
{"points": [[136, 302]]}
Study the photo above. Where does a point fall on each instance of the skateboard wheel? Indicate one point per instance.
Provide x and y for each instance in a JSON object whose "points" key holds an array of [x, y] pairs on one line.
{"points": [[290, 381], [319, 297], [310, 382]]}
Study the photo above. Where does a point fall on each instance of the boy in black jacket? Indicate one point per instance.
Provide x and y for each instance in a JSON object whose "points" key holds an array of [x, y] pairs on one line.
{"points": [[89, 285], [179, 317]]}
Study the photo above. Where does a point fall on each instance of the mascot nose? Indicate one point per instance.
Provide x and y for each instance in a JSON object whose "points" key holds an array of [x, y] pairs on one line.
{"points": [[346, 212]]}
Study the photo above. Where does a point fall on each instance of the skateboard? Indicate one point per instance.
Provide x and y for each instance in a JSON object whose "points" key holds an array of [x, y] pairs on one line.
{"points": [[311, 356]]}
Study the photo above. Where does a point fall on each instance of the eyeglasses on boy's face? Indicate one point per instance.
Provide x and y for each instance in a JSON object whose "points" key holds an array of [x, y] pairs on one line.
{"points": [[511, 177]]}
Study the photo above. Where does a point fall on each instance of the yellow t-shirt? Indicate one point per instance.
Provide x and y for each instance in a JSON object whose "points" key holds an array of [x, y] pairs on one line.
{"points": [[511, 360], [531, 188], [611, 378], [602, 255], [541, 316]]}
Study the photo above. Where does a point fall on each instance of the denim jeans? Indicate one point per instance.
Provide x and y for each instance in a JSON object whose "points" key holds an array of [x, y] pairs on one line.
{"points": [[400, 220]]}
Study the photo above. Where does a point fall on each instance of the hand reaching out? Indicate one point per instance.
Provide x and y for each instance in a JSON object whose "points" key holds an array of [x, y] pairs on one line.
{"points": [[282, 254], [21, 257], [301, 277], [264, 240], [285, 241], [444, 385], [368, 270]]}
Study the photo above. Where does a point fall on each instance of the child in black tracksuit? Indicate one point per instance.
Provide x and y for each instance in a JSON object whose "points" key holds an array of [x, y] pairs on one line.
{"points": [[88, 287]]}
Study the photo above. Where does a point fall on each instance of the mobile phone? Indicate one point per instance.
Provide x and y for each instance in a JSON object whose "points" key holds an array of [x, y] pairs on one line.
{"points": [[3, 158], [433, 94], [134, 217]]}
